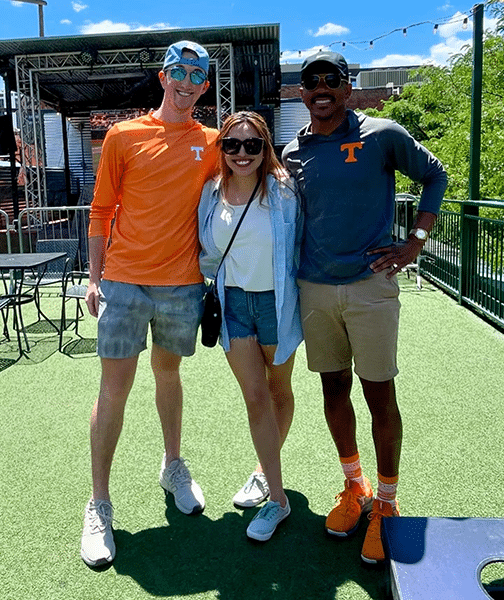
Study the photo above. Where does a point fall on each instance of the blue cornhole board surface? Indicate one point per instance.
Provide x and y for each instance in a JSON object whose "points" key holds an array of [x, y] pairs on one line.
{"points": [[435, 558]]}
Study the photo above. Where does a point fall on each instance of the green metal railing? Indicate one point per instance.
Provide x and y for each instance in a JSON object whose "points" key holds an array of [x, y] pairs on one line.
{"points": [[465, 252]]}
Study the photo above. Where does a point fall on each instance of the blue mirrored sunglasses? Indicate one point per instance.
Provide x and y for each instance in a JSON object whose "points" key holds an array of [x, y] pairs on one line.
{"points": [[179, 74]]}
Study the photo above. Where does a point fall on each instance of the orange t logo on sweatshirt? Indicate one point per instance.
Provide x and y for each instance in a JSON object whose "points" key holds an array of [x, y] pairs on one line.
{"points": [[351, 151]]}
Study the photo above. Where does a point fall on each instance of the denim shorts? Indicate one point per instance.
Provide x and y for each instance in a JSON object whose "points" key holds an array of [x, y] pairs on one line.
{"points": [[251, 314], [126, 310]]}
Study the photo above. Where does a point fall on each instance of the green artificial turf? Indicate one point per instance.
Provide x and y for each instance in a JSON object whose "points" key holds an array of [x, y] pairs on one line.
{"points": [[450, 393]]}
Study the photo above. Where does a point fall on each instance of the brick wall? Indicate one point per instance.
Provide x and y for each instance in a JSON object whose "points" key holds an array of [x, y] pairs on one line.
{"points": [[360, 98]]}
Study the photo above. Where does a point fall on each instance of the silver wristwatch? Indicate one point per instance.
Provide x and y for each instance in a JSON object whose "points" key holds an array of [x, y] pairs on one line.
{"points": [[420, 234]]}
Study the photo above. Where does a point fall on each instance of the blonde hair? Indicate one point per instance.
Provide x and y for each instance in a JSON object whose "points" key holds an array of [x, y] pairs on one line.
{"points": [[270, 163]]}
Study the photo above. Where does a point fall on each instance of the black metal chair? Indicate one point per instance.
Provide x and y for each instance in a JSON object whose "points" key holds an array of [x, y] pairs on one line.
{"points": [[54, 274], [5, 303], [73, 289]]}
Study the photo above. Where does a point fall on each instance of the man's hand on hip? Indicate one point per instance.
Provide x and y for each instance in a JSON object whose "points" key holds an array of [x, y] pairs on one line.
{"points": [[396, 257]]}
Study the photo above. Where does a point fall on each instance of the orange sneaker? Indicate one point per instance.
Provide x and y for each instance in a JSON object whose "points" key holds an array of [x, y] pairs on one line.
{"points": [[372, 549], [351, 503]]}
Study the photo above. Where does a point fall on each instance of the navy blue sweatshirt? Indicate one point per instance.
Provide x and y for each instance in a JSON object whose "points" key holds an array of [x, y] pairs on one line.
{"points": [[347, 182]]}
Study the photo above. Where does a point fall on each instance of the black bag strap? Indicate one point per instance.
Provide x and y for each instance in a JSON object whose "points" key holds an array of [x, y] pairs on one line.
{"points": [[237, 227]]}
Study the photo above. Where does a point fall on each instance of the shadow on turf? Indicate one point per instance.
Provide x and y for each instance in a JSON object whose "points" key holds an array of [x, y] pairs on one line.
{"points": [[41, 348], [194, 554], [80, 347]]}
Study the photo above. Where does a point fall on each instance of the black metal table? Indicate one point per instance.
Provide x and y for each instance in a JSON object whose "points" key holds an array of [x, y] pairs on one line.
{"points": [[17, 265]]}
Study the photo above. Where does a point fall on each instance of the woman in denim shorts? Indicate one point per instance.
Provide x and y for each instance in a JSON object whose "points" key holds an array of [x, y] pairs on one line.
{"points": [[261, 327]]}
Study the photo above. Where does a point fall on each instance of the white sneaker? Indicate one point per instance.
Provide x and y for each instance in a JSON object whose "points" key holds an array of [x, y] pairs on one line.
{"points": [[253, 492], [176, 479], [263, 525], [97, 544]]}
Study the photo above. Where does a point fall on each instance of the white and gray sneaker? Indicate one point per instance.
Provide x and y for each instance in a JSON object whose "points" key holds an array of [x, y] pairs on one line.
{"points": [[97, 544], [176, 479], [263, 525], [253, 492]]}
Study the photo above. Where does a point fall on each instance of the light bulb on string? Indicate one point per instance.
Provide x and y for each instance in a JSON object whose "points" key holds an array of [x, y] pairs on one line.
{"points": [[405, 32], [464, 23], [435, 30]]}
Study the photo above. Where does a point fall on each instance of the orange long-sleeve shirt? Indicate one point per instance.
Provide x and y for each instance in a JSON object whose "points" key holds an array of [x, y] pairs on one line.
{"points": [[150, 178]]}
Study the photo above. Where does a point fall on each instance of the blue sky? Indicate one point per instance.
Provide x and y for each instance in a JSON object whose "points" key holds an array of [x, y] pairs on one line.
{"points": [[304, 26]]}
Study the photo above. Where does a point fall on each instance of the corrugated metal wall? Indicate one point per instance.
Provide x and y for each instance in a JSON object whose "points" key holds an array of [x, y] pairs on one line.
{"points": [[290, 116], [14, 104], [380, 77], [79, 147]]}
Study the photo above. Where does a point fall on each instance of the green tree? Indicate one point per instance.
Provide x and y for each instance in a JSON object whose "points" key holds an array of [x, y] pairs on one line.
{"points": [[437, 113]]}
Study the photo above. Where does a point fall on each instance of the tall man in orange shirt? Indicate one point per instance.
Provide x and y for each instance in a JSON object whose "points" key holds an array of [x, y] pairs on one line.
{"points": [[150, 178]]}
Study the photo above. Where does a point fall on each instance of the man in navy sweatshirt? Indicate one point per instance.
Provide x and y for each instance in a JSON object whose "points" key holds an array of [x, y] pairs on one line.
{"points": [[345, 165]]}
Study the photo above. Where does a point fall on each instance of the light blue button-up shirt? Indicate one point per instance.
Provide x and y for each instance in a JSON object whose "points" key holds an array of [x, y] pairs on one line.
{"points": [[286, 228]]}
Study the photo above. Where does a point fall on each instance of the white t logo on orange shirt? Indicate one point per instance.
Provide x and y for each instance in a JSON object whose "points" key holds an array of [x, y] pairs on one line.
{"points": [[197, 149]]}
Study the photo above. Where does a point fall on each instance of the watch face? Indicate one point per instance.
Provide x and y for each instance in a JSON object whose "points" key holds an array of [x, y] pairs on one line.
{"points": [[421, 234]]}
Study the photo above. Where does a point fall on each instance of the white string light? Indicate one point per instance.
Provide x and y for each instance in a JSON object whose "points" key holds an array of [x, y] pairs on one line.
{"points": [[370, 43]]}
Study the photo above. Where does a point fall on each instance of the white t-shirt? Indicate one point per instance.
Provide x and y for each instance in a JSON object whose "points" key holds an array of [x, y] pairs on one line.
{"points": [[249, 262]]}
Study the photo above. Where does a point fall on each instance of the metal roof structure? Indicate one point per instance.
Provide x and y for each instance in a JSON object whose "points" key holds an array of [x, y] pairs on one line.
{"points": [[76, 75], [79, 75]]}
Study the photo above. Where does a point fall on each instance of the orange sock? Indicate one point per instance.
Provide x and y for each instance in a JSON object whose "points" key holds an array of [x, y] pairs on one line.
{"points": [[387, 488], [352, 469]]}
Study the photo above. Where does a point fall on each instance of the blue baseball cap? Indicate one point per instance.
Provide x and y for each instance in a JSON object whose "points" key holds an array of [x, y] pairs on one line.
{"points": [[174, 56]]}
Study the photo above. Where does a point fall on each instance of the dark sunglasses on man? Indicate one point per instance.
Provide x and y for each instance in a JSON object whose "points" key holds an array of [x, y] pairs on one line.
{"points": [[178, 73], [332, 80], [231, 145]]}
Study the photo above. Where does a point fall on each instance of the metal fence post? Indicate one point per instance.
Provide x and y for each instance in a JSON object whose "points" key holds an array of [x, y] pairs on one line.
{"points": [[469, 227]]}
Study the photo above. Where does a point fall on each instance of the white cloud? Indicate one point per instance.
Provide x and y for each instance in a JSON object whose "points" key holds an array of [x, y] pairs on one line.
{"points": [[399, 60], [489, 23], [450, 43], [154, 27], [455, 25], [447, 6], [330, 29], [441, 53], [16, 3], [65, 22], [108, 26], [451, 35], [77, 6], [454, 38]]}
